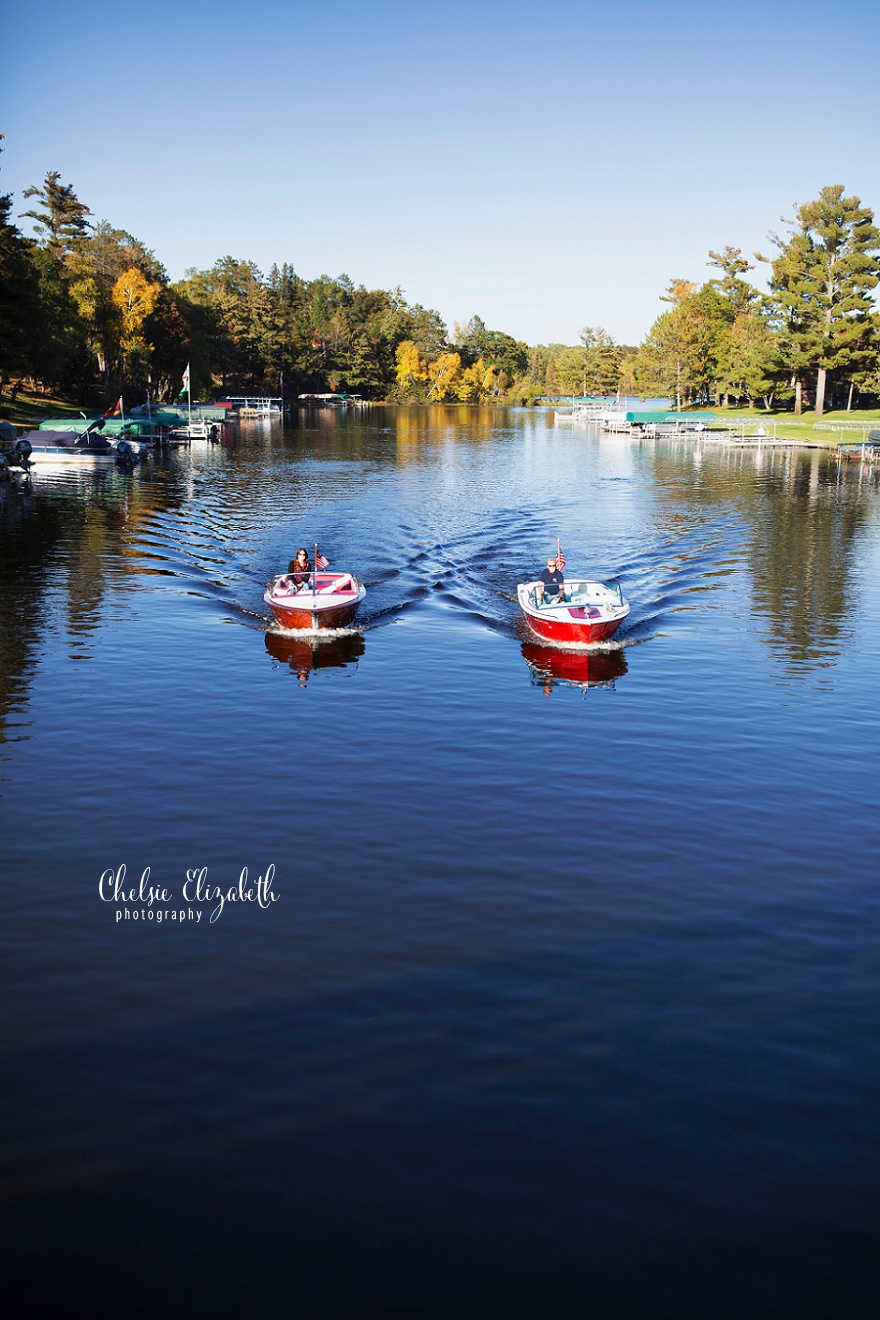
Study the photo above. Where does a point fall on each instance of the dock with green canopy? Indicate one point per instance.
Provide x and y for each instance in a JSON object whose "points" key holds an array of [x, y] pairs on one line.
{"points": [[687, 421]]}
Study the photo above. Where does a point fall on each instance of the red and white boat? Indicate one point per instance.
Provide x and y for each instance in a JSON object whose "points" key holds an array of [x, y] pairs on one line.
{"points": [[588, 612], [326, 601]]}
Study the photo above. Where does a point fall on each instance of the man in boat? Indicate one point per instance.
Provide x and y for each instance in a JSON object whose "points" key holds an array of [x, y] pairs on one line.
{"points": [[550, 587]]}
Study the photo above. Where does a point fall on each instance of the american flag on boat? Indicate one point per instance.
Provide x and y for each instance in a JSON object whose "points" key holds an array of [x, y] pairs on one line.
{"points": [[560, 557], [321, 562]]}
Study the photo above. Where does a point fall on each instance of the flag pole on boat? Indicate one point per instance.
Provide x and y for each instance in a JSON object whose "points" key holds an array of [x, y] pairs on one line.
{"points": [[314, 587]]}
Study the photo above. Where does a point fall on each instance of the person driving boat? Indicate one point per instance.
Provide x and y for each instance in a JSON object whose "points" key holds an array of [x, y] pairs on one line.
{"points": [[550, 587]]}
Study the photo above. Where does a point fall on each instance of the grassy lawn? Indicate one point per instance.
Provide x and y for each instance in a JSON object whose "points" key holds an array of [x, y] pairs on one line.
{"points": [[33, 408], [787, 428], [834, 415]]}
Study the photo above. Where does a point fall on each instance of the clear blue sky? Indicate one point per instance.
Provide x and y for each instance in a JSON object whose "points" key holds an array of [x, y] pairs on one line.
{"points": [[544, 165]]}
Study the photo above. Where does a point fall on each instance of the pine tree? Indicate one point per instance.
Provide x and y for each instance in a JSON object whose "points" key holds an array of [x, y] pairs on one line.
{"points": [[822, 277], [64, 219], [601, 361], [19, 296], [672, 356], [739, 295]]}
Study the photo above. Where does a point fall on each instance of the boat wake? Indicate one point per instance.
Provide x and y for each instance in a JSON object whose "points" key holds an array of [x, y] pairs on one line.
{"points": [[612, 644], [313, 634], [438, 549]]}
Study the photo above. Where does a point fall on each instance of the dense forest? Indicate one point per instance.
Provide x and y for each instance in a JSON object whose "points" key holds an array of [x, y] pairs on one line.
{"points": [[88, 311]]}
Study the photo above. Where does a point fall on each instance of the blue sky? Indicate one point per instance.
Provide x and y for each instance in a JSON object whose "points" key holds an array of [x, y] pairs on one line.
{"points": [[544, 165]]}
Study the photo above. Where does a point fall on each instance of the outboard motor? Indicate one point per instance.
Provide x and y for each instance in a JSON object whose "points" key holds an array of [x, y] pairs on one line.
{"points": [[23, 452], [125, 454]]}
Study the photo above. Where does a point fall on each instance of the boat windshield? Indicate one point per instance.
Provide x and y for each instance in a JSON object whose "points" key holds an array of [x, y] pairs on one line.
{"points": [[578, 592]]}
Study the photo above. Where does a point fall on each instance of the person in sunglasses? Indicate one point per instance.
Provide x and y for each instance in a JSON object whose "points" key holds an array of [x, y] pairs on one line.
{"points": [[299, 577], [300, 567], [550, 587]]}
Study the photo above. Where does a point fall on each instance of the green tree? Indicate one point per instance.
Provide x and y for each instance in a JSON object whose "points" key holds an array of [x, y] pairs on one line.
{"points": [[63, 220], [19, 297], [737, 331], [669, 359], [569, 369], [738, 293], [180, 332], [601, 361], [93, 268], [499, 350], [549, 381], [826, 268], [750, 366], [425, 327], [246, 333]]}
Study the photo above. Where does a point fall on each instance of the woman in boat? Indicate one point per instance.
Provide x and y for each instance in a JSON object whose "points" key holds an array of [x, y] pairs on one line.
{"points": [[299, 577], [299, 569]]}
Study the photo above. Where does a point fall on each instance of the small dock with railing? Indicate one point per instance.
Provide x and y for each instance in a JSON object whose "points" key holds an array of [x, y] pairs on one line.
{"points": [[861, 449], [256, 406]]}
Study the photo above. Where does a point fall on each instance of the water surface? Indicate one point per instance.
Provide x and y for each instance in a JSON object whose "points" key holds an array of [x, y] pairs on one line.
{"points": [[568, 1002]]}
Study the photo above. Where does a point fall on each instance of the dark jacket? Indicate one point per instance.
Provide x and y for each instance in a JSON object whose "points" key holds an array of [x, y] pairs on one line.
{"points": [[299, 573], [554, 582]]}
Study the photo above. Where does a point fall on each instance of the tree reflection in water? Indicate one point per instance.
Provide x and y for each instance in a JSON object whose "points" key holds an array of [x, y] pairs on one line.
{"points": [[64, 543], [802, 527]]}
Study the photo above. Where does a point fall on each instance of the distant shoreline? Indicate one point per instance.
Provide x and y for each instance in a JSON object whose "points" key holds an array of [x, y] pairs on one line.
{"points": [[30, 409]]}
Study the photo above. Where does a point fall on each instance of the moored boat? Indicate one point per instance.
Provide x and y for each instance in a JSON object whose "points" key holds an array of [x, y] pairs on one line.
{"points": [[326, 601], [588, 612], [70, 448]]}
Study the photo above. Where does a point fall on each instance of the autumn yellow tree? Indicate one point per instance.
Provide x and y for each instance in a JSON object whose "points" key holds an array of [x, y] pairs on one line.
{"points": [[444, 374], [467, 388], [136, 298], [411, 370], [477, 383]]}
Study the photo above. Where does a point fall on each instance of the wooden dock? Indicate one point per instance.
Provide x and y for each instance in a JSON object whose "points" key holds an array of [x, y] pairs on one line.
{"points": [[866, 450]]}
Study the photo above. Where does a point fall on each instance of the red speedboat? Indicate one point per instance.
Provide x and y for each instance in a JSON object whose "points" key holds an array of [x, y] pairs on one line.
{"points": [[588, 612], [327, 600]]}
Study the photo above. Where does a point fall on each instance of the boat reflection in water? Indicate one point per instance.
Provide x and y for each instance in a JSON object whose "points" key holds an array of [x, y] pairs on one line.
{"points": [[305, 654], [550, 665]]}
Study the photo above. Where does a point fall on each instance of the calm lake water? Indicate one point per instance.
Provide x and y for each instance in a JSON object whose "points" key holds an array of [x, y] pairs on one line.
{"points": [[567, 1005]]}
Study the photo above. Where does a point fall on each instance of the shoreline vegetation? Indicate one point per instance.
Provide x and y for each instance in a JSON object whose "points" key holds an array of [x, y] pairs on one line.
{"points": [[32, 408], [87, 312]]}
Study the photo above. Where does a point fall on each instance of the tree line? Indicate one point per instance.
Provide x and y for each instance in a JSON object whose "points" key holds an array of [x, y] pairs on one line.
{"points": [[87, 310], [813, 338]]}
